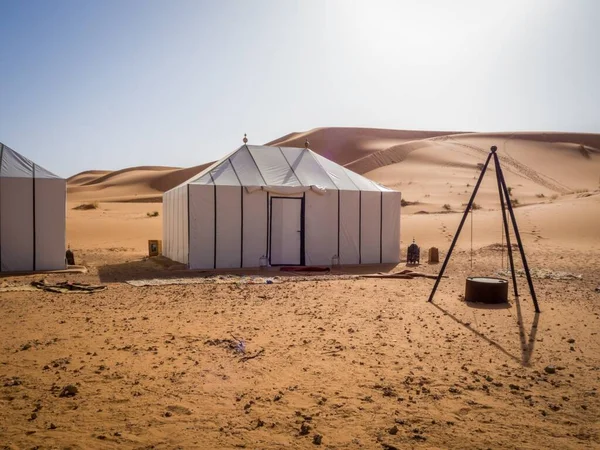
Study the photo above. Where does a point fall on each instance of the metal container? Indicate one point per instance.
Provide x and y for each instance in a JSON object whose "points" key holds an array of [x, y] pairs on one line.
{"points": [[486, 290]]}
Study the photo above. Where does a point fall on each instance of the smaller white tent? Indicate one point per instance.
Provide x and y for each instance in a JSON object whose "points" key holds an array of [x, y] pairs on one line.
{"points": [[32, 215], [290, 205]]}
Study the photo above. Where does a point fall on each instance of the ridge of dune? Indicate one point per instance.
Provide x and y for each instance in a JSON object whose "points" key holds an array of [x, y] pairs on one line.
{"points": [[143, 183], [85, 176], [346, 145]]}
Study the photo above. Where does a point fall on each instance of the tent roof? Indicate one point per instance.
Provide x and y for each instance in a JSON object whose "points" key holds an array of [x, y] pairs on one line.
{"points": [[14, 165], [253, 165]]}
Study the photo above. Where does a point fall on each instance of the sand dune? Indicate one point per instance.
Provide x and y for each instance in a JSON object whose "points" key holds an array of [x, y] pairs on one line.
{"points": [[345, 145], [135, 184]]}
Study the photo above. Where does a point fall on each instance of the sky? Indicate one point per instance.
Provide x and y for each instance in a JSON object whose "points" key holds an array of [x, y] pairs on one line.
{"points": [[112, 84]]}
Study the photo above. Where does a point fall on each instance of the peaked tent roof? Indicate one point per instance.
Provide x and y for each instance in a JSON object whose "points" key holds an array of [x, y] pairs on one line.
{"points": [[253, 165], [14, 165]]}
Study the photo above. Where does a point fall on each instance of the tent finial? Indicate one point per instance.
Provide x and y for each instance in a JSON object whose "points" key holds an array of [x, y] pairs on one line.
{"points": [[245, 139], [306, 143]]}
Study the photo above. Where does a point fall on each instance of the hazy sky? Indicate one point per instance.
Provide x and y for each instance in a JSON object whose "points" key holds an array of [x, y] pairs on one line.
{"points": [[110, 84]]}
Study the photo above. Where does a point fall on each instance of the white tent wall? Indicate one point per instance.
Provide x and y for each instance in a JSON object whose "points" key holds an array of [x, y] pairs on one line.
{"points": [[185, 225], [229, 227], [202, 226], [16, 225], [181, 205], [175, 231], [321, 227], [50, 223], [390, 227], [168, 211], [349, 227], [166, 218], [370, 227], [254, 239]]}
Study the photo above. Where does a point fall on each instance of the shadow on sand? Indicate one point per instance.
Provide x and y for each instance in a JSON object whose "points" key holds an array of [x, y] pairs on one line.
{"points": [[527, 343], [164, 268]]}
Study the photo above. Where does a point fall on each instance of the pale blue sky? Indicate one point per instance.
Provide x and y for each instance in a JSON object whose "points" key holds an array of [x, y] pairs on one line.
{"points": [[110, 84]]}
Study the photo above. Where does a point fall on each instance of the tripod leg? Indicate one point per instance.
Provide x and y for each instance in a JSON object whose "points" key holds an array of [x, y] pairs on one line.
{"points": [[506, 230], [462, 222], [518, 236]]}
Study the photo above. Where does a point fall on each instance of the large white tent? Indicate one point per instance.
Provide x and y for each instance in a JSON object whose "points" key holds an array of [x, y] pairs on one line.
{"points": [[290, 205], [32, 215]]}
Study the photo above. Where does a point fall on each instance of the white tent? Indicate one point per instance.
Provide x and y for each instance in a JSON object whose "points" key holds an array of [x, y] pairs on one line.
{"points": [[32, 215], [291, 205]]}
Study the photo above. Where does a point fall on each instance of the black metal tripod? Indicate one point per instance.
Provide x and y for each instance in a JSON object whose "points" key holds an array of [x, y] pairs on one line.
{"points": [[504, 195]]}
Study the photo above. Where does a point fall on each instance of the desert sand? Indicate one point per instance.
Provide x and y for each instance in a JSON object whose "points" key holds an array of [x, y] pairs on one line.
{"points": [[335, 362]]}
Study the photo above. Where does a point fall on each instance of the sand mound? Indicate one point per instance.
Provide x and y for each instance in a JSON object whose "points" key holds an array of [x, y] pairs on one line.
{"points": [[346, 145], [135, 184]]}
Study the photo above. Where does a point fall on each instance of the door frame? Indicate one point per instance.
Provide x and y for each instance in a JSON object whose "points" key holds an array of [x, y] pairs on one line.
{"points": [[302, 228]]}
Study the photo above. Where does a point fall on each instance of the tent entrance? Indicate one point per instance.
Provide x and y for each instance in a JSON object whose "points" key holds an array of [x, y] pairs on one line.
{"points": [[287, 231]]}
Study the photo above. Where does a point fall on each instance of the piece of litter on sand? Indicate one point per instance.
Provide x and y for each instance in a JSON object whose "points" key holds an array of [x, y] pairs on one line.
{"points": [[543, 274], [406, 274], [256, 355], [65, 287]]}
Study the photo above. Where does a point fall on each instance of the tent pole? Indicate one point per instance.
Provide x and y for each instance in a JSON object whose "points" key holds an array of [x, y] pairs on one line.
{"points": [[518, 236], [505, 221], [462, 222]]}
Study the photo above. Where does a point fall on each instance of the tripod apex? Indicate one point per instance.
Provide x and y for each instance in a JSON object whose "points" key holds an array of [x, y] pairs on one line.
{"points": [[493, 148]]}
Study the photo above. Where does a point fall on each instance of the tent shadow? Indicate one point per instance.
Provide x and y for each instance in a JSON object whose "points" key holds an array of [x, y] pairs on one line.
{"points": [[527, 344], [147, 268], [164, 268]]}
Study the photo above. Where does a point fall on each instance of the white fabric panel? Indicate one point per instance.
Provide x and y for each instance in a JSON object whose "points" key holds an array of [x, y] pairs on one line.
{"points": [[246, 168], [50, 215], [255, 227], [349, 227], [224, 175], [390, 226], [16, 224], [15, 165], [176, 219], [167, 218], [40, 172], [370, 227], [273, 166], [178, 223], [229, 223], [185, 226], [363, 184], [321, 224], [336, 172], [306, 168], [172, 219], [204, 179], [202, 227], [285, 237]]}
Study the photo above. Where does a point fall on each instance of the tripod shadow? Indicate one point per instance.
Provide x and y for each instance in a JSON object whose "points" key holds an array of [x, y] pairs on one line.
{"points": [[527, 344]]}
